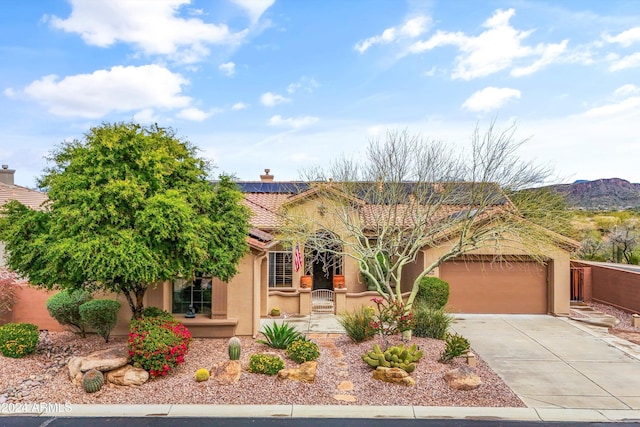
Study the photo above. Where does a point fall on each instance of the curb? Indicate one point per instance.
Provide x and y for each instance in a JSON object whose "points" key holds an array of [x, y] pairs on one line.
{"points": [[322, 411]]}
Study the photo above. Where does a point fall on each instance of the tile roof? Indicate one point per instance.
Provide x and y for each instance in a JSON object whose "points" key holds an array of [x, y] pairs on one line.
{"points": [[31, 198], [264, 207]]}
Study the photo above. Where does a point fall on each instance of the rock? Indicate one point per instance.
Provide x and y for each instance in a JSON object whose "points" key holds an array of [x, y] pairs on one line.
{"points": [[104, 360], [228, 372], [127, 375], [345, 386], [393, 375], [344, 397], [305, 373], [463, 378]]}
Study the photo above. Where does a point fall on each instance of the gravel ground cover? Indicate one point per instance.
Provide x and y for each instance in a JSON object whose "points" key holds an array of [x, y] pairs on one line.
{"points": [[342, 378]]}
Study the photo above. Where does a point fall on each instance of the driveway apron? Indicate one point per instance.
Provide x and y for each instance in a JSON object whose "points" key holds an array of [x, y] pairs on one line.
{"points": [[552, 362]]}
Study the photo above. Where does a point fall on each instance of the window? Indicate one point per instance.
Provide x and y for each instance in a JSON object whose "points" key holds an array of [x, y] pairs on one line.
{"points": [[196, 292], [280, 270]]}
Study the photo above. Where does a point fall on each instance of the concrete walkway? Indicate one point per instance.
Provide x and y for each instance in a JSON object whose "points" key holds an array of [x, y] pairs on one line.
{"points": [[552, 362]]}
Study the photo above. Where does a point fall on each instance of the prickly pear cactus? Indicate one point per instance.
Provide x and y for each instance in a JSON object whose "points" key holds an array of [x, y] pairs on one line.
{"points": [[202, 375], [394, 357], [234, 348], [92, 381]]}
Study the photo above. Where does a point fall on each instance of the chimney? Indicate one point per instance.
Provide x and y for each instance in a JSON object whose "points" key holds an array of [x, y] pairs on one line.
{"points": [[6, 175], [266, 177]]}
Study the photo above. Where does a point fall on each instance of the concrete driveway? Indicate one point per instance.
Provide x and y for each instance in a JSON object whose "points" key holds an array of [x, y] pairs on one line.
{"points": [[552, 362]]}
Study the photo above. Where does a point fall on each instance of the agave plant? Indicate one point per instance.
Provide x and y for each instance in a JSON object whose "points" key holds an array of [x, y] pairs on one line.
{"points": [[280, 335]]}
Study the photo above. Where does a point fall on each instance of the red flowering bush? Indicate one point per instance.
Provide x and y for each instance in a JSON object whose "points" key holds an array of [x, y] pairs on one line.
{"points": [[392, 317], [158, 344]]}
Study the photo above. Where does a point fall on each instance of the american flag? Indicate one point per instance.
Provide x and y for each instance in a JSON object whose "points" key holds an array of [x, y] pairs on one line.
{"points": [[297, 258]]}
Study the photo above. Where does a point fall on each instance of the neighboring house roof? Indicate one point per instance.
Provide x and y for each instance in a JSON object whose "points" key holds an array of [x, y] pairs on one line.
{"points": [[31, 198]]}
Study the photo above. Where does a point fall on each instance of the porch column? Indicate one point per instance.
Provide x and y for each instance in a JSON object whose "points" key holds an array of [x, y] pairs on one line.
{"points": [[305, 300], [340, 303]]}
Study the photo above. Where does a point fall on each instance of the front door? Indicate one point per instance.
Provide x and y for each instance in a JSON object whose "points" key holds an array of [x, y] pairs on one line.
{"points": [[322, 279]]}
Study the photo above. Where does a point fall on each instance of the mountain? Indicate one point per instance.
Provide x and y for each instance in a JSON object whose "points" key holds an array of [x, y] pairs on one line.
{"points": [[601, 194]]}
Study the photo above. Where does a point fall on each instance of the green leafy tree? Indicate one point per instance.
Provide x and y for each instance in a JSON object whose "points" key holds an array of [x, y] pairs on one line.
{"points": [[130, 206]]}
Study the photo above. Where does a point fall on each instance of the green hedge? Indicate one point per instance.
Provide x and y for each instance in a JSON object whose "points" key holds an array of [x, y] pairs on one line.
{"points": [[65, 308], [100, 315]]}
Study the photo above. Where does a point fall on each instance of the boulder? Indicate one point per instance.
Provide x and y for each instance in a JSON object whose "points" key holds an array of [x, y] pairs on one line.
{"points": [[463, 378], [127, 375], [227, 373], [305, 373], [393, 375], [103, 360]]}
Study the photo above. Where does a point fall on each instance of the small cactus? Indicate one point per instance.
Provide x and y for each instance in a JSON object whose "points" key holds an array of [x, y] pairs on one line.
{"points": [[234, 348], [202, 375], [275, 312], [394, 357], [92, 381]]}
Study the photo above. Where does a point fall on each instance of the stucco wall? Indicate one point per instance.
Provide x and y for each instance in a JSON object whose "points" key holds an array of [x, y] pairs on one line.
{"points": [[613, 286]]}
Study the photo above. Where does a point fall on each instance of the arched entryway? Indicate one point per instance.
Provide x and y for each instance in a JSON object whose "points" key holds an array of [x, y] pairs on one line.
{"points": [[324, 263]]}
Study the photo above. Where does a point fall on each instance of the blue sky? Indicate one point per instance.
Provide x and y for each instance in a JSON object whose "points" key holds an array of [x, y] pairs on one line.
{"points": [[286, 84]]}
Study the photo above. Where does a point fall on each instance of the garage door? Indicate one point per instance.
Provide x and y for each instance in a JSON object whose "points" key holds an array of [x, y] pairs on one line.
{"points": [[505, 287]]}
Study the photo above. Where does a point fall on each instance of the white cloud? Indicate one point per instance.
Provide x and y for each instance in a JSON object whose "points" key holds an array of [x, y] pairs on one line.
{"points": [[490, 98], [120, 89], [296, 123], [629, 61], [305, 83], [239, 106], [153, 26], [254, 8], [147, 115], [625, 38], [269, 99], [626, 90], [411, 28], [9, 92], [493, 50], [628, 105], [548, 55], [194, 114], [228, 68]]}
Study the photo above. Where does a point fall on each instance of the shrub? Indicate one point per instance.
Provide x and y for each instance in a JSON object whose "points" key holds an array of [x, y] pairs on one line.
{"points": [[18, 339], [157, 344], [430, 322], [65, 308], [392, 317], [433, 292], [265, 364], [303, 351], [7, 293], [457, 345], [358, 323], [280, 335], [202, 374], [156, 312], [100, 315]]}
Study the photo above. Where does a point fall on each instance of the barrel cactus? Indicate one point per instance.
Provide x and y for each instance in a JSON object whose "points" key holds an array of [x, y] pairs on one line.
{"points": [[234, 348], [202, 375], [92, 381]]}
